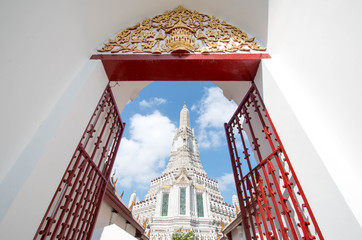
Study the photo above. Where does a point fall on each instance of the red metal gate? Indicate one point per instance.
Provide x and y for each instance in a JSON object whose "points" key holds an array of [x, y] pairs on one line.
{"points": [[74, 208], [272, 202]]}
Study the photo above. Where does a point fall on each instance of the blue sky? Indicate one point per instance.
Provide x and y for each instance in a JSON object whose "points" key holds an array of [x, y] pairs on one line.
{"points": [[151, 120]]}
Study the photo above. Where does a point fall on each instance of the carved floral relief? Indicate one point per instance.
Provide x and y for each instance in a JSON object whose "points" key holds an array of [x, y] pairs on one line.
{"points": [[181, 30]]}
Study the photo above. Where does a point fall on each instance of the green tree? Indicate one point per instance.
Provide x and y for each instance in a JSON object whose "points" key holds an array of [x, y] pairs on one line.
{"points": [[183, 235]]}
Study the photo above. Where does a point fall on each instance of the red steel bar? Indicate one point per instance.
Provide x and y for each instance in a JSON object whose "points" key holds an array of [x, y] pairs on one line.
{"points": [[259, 179], [248, 203], [251, 173], [265, 173], [300, 190], [75, 205], [255, 196], [237, 178], [109, 164], [268, 202], [287, 183], [79, 205], [256, 148], [267, 209]]}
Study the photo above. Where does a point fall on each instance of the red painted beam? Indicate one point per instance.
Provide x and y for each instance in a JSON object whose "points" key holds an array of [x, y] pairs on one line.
{"points": [[181, 67]]}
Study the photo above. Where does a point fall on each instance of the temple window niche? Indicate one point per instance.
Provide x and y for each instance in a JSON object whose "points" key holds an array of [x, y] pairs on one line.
{"points": [[200, 205], [165, 204], [182, 201]]}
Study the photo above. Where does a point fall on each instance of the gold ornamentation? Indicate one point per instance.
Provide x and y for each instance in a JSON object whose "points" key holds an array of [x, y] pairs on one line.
{"points": [[236, 208], [148, 234], [121, 195], [114, 183], [180, 39], [145, 222], [181, 30]]}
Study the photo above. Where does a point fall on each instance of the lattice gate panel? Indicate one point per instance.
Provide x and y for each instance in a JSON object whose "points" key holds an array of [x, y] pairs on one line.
{"points": [[73, 210], [272, 202]]}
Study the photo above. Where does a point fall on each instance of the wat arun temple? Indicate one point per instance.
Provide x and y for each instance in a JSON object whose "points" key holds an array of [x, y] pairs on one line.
{"points": [[184, 197]]}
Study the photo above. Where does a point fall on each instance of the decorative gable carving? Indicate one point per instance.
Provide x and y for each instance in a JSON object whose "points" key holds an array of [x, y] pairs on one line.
{"points": [[182, 177], [181, 30]]}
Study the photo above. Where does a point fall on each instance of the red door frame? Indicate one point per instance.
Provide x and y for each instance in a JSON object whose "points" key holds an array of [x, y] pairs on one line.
{"points": [[181, 67]]}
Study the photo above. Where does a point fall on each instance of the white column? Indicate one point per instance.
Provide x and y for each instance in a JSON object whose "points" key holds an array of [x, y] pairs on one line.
{"points": [[174, 201], [158, 205], [192, 201], [189, 201], [207, 212]]}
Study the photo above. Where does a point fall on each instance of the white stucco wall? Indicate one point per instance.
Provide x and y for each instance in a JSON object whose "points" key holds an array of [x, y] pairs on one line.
{"points": [[238, 233], [325, 199], [27, 190], [319, 80], [112, 232]]}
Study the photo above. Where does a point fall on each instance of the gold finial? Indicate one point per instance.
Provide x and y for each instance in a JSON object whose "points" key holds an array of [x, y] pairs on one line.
{"points": [[222, 225], [236, 207], [184, 104], [229, 218], [148, 234], [131, 207], [180, 8], [121, 195], [114, 184], [145, 222]]}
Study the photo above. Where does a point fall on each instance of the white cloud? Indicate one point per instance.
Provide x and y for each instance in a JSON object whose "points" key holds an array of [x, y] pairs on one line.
{"points": [[193, 107], [155, 101], [143, 156], [214, 110], [226, 182]]}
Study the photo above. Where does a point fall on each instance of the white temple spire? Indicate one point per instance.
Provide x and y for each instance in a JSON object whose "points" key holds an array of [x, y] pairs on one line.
{"points": [[132, 199], [184, 117], [184, 193]]}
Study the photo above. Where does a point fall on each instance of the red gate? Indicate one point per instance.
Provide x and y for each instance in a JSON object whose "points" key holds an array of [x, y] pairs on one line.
{"points": [[272, 202], [73, 210]]}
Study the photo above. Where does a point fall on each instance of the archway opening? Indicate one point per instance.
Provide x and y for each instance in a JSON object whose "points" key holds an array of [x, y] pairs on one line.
{"points": [[155, 114]]}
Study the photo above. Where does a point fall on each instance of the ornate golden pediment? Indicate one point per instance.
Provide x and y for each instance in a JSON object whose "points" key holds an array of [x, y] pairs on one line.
{"points": [[181, 30]]}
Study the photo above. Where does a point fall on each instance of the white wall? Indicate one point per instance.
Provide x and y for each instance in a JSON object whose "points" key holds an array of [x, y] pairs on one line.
{"points": [[332, 213], [112, 232], [318, 74], [238, 233], [28, 188]]}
